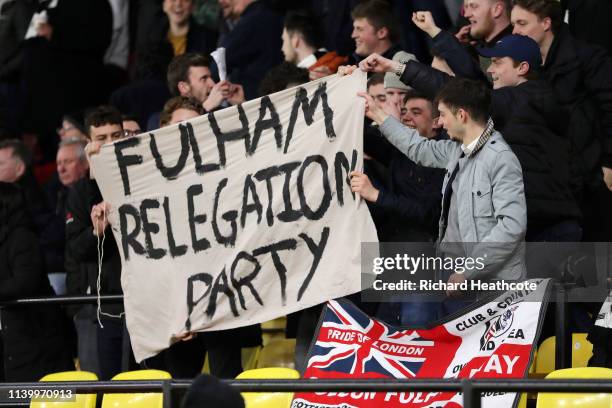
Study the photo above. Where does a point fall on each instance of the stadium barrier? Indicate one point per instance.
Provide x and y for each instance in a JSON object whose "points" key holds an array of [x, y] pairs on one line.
{"points": [[471, 389]]}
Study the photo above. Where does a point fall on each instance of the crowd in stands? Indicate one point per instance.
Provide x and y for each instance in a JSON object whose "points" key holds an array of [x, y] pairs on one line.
{"points": [[532, 77]]}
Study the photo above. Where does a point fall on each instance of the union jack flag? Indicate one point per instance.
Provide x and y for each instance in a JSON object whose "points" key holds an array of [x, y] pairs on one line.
{"points": [[351, 342]]}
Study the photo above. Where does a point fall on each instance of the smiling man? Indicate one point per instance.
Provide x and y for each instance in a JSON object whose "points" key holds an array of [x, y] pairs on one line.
{"points": [[412, 197], [421, 114], [375, 30], [489, 23], [489, 19], [534, 123]]}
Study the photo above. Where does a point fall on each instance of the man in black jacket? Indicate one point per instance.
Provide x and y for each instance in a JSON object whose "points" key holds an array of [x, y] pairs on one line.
{"points": [[581, 75], [87, 235], [33, 338], [16, 167], [489, 23], [412, 199], [532, 122]]}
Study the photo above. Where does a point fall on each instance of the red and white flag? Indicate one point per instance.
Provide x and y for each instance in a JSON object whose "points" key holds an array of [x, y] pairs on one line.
{"points": [[492, 339]]}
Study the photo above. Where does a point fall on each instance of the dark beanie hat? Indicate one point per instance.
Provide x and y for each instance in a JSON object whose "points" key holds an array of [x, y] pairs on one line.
{"points": [[207, 391]]}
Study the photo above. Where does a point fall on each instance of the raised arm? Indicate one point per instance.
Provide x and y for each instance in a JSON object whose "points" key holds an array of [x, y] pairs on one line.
{"points": [[455, 54]]}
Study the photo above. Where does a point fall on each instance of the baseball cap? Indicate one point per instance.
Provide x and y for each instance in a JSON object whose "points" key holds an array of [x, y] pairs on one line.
{"points": [[518, 47]]}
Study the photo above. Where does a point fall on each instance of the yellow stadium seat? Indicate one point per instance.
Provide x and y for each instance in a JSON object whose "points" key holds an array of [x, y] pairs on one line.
{"points": [[273, 330], [269, 399], [545, 362], [279, 323], [575, 400], [522, 401], [81, 400], [582, 350], [278, 353], [142, 400]]}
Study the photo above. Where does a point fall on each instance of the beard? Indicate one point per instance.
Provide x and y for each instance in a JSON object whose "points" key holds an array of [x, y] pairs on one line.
{"points": [[483, 30]]}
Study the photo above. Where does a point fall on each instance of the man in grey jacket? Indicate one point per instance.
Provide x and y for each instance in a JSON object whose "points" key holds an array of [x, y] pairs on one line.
{"points": [[483, 204]]}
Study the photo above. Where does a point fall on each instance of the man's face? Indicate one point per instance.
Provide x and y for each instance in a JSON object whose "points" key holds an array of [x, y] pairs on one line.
{"points": [[70, 168], [450, 122], [287, 49], [366, 37], [178, 11], [105, 133], [529, 24], [419, 116], [395, 96], [11, 168], [181, 115], [377, 92], [200, 83], [131, 128], [504, 73], [480, 15]]}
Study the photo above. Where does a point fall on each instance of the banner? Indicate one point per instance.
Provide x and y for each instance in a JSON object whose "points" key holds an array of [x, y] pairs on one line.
{"points": [[491, 340], [241, 215]]}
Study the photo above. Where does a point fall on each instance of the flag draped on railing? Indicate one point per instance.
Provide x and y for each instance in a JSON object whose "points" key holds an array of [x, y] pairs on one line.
{"points": [[493, 338]]}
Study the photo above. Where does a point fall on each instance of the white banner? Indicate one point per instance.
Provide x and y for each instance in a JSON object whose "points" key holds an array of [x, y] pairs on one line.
{"points": [[241, 215]]}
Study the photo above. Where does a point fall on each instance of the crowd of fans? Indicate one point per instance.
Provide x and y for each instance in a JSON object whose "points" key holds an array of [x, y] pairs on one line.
{"points": [[78, 74]]}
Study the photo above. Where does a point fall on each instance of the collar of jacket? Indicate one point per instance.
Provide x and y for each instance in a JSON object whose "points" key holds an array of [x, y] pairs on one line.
{"points": [[389, 53], [488, 44], [482, 139], [251, 8]]}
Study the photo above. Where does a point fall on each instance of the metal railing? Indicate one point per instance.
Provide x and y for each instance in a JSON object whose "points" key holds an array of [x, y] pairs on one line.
{"points": [[470, 389]]}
